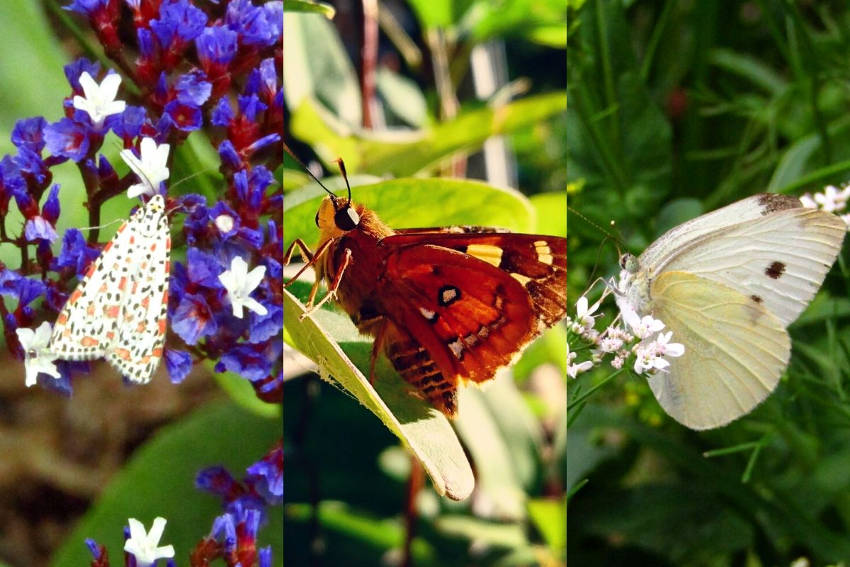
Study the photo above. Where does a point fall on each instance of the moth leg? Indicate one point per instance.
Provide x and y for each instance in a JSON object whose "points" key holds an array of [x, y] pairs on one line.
{"points": [[346, 261], [312, 258]]}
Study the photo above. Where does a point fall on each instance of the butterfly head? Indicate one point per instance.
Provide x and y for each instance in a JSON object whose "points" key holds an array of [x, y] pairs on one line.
{"points": [[629, 263], [337, 216]]}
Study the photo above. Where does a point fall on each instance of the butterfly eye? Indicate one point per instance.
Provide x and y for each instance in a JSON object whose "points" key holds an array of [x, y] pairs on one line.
{"points": [[346, 218]]}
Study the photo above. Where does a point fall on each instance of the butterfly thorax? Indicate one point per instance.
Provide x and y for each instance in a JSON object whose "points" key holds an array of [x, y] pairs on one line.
{"points": [[356, 291], [633, 286]]}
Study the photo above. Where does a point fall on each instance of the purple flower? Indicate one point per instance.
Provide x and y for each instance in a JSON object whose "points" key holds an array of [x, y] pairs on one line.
{"points": [[87, 7], [218, 480], [222, 114], [264, 327], [75, 253], [216, 47], [178, 363], [229, 155], [74, 70], [251, 22], [193, 318], [178, 18], [247, 360], [28, 133], [29, 161], [38, 228], [266, 476], [67, 139], [193, 89], [250, 106], [187, 118], [50, 211]]}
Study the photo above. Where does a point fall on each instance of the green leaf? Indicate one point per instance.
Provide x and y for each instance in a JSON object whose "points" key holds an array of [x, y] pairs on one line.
{"points": [[402, 97], [550, 519], [410, 203], [317, 67], [240, 391], [159, 481], [551, 213], [424, 430], [326, 10], [407, 153]]}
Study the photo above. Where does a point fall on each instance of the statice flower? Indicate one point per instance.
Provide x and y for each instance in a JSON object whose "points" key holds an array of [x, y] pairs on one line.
{"points": [[171, 68], [831, 199]]}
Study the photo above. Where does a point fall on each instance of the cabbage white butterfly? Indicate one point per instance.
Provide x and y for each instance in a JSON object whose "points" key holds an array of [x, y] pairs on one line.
{"points": [[727, 284]]}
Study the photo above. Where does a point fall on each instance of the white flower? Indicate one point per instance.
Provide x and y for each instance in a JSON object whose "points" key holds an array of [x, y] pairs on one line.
{"points": [[650, 355], [144, 546], [832, 200], [151, 168], [666, 348], [224, 223], [574, 370], [584, 315], [239, 283], [807, 201], [38, 358], [641, 326], [99, 101]]}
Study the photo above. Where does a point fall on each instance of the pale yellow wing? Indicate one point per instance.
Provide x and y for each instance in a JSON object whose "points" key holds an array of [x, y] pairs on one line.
{"points": [[735, 350]]}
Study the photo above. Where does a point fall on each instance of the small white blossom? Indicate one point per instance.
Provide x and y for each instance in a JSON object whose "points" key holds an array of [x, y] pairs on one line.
{"points": [[807, 201], [151, 168], [644, 326], [38, 358], [574, 370], [145, 545], [99, 101], [584, 315], [224, 223], [239, 283], [650, 355], [832, 200]]}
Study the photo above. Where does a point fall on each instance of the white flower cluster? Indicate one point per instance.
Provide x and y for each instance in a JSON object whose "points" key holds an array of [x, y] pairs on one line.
{"points": [[636, 335], [832, 200]]}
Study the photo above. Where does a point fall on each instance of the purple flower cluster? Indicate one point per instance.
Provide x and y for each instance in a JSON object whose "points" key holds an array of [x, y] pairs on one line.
{"points": [[234, 533], [197, 66]]}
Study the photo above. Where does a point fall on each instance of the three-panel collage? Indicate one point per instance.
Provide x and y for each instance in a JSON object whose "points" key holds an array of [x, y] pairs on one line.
{"points": [[287, 283]]}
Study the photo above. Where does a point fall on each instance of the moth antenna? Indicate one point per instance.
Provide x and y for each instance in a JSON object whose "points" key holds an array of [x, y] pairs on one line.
{"points": [[310, 173]]}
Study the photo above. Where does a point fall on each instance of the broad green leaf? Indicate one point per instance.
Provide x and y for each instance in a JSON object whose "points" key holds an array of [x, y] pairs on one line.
{"points": [[423, 429], [240, 391], [409, 152], [410, 203], [159, 480], [551, 213]]}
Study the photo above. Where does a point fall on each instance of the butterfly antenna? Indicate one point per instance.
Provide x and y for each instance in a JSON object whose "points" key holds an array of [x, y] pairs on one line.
{"points": [[341, 165], [310, 173]]}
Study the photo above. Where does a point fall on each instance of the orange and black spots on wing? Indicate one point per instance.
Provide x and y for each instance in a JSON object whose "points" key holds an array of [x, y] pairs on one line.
{"points": [[471, 316], [418, 368]]}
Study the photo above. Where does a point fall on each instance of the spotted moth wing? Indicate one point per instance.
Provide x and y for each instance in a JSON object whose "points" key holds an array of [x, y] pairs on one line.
{"points": [[101, 314], [137, 346]]}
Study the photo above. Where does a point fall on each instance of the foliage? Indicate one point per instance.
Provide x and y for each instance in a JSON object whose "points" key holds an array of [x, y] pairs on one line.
{"points": [[676, 109], [346, 473]]}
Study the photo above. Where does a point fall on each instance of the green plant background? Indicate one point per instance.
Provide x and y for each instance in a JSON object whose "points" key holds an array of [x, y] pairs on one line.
{"points": [[676, 109], [346, 468]]}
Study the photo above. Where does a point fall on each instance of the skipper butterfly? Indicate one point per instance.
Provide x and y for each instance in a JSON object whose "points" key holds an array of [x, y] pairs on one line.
{"points": [[444, 304]]}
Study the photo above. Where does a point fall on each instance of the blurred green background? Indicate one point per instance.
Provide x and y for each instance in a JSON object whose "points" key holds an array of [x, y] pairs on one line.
{"points": [[674, 109], [450, 78]]}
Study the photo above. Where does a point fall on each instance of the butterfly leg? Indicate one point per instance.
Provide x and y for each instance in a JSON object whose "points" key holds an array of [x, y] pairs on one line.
{"points": [[346, 261]]}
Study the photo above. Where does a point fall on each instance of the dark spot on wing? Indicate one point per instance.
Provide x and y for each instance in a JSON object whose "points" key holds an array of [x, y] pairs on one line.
{"points": [[756, 298], [775, 270], [772, 202]]}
